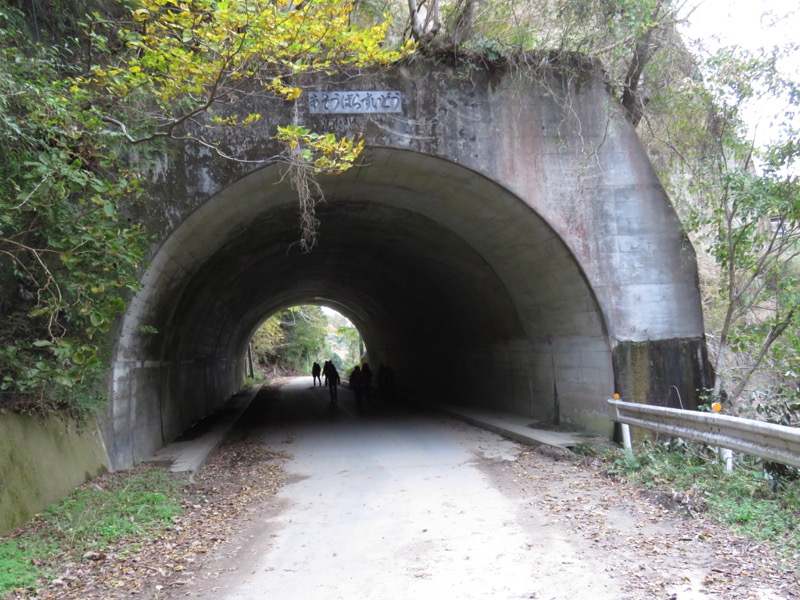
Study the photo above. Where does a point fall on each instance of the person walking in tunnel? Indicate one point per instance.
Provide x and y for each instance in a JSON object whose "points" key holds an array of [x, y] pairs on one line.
{"points": [[315, 371], [357, 384], [366, 375], [332, 379], [385, 381], [326, 367]]}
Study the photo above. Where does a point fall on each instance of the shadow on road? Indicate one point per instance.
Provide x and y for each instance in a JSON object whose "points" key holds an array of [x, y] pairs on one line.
{"points": [[296, 402]]}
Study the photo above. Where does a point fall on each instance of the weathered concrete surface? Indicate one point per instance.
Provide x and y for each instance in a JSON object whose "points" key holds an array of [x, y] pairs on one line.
{"points": [[43, 460], [504, 242], [189, 452]]}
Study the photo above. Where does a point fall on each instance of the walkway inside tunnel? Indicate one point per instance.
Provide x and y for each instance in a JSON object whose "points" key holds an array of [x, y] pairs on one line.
{"points": [[363, 486], [451, 279]]}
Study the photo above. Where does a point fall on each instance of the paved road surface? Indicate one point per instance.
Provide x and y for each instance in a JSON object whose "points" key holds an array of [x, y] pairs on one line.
{"points": [[389, 503]]}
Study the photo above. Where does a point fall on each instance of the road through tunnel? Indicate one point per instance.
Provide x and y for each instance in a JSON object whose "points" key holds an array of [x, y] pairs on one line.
{"points": [[458, 285]]}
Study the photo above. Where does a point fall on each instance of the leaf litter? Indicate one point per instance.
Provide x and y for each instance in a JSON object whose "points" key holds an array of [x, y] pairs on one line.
{"points": [[238, 477], [657, 545]]}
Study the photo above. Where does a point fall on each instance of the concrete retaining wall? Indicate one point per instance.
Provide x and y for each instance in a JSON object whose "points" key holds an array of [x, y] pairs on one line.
{"points": [[41, 461]]}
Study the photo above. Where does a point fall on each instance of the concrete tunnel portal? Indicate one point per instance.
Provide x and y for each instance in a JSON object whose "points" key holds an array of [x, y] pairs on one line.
{"points": [[433, 263], [510, 230]]}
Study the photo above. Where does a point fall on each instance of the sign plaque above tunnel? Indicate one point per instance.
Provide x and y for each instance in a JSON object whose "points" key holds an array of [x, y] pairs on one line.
{"points": [[355, 102]]}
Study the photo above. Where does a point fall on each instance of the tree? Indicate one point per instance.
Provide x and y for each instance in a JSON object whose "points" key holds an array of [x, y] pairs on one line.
{"points": [[267, 339], [347, 340], [744, 208], [622, 37], [295, 337], [67, 259], [185, 58]]}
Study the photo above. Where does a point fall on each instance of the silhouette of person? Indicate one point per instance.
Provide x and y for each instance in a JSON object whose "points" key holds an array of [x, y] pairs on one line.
{"points": [[326, 367], [382, 378], [386, 380], [357, 384], [315, 371], [332, 378], [366, 375]]}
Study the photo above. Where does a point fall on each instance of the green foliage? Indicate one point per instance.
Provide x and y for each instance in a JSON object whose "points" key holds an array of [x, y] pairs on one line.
{"points": [[19, 560], [49, 20], [258, 377], [624, 38], [746, 204], [323, 153], [740, 202], [298, 336], [90, 519], [183, 59], [72, 256], [777, 404], [693, 479], [267, 339], [294, 337], [346, 338], [180, 60]]}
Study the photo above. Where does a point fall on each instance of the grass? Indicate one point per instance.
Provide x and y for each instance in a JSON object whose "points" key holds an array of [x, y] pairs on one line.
{"points": [[92, 518], [744, 500]]}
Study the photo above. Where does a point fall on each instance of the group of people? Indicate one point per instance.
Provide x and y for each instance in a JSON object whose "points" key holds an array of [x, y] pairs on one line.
{"points": [[360, 380], [332, 379]]}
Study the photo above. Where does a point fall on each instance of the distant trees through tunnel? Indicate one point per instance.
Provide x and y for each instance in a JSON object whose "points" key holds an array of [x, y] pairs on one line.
{"points": [[292, 339]]}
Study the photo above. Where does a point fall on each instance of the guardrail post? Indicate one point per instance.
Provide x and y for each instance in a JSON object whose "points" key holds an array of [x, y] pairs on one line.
{"points": [[727, 455], [626, 436]]}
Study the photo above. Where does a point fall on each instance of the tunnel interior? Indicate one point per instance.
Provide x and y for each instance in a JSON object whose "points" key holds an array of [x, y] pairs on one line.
{"points": [[451, 280]]}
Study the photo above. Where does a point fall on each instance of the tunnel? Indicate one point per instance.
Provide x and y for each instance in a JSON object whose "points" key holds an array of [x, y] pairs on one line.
{"points": [[451, 280], [502, 243]]}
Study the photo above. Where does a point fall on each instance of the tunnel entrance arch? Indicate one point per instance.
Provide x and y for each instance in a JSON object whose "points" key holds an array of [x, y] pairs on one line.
{"points": [[508, 232], [451, 279]]}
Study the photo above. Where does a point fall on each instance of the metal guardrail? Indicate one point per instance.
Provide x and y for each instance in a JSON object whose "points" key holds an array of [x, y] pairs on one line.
{"points": [[777, 443]]}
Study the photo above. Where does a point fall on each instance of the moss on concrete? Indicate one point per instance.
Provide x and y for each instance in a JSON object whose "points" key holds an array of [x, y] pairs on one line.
{"points": [[671, 373], [41, 461]]}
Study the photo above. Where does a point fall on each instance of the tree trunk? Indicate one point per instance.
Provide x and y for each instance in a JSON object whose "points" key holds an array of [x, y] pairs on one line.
{"points": [[632, 99]]}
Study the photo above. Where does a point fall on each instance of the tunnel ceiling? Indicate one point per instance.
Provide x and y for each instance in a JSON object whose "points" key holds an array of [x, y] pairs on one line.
{"points": [[389, 269], [412, 249]]}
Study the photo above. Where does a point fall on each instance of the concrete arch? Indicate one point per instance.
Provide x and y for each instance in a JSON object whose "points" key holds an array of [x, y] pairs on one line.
{"points": [[438, 266], [511, 230]]}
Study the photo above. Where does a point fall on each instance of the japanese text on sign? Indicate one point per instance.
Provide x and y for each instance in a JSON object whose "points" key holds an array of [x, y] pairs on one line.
{"points": [[355, 102]]}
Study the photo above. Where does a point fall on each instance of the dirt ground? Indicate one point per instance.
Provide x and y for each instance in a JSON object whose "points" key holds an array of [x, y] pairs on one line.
{"points": [[571, 532], [652, 547]]}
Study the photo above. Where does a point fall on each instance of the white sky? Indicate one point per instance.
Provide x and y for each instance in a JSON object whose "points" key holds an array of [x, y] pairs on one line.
{"points": [[745, 22], [751, 24]]}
